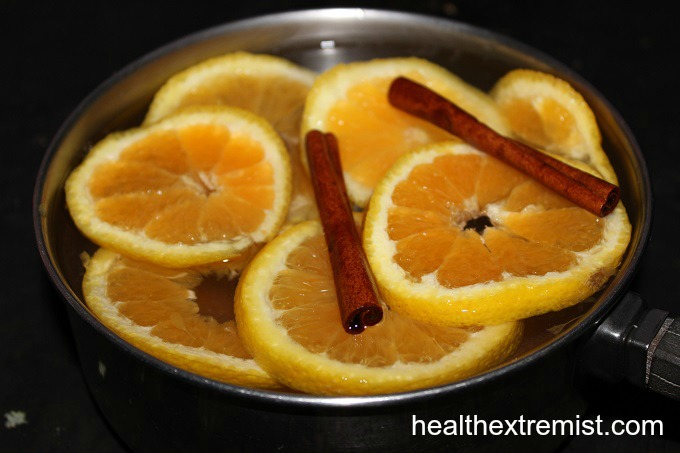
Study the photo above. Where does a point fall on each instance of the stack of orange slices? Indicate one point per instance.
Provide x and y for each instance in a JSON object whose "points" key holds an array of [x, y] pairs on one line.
{"points": [[212, 259], [271, 87]]}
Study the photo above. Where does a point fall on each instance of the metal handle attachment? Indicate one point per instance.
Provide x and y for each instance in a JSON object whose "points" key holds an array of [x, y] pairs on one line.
{"points": [[638, 344], [663, 360]]}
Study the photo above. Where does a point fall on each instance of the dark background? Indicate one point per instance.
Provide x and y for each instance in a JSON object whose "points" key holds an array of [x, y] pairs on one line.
{"points": [[55, 53]]}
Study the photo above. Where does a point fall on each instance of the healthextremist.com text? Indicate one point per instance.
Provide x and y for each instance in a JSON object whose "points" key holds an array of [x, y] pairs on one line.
{"points": [[471, 425]]}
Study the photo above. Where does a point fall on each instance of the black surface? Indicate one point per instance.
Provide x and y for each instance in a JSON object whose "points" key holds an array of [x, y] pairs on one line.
{"points": [[55, 53]]}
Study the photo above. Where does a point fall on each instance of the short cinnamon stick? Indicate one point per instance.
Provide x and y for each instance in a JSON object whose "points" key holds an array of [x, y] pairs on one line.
{"points": [[583, 189], [355, 287]]}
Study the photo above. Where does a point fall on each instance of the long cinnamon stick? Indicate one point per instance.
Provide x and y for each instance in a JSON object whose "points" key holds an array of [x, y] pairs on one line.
{"points": [[585, 190], [355, 287]]}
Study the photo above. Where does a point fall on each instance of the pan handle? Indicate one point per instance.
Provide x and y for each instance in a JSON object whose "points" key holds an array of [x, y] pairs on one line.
{"points": [[638, 344]]}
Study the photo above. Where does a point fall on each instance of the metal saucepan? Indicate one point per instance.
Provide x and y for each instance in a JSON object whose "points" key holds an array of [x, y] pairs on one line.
{"points": [[153, 405]]}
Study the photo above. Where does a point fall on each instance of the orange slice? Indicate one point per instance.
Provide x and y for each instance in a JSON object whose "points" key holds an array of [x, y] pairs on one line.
{"points": [[200, 187], [455, 237], [548, 113], [177, 315], [350, 100], [266, 85], [288, 317]]}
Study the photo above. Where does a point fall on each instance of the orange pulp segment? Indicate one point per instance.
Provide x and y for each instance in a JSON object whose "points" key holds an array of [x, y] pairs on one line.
{"points": [[181, 316], [547, 112], [207, 184], [305, 296], [533, 242]]}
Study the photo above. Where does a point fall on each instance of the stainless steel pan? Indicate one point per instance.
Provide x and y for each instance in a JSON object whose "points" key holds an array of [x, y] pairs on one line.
{"points": [[153, 405]]}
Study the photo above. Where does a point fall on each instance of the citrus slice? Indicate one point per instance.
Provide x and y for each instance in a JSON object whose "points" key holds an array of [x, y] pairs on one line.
{"points": [[350, 100], [288, 317], [266, 85], [456, 237], [548, 113], [177, 315], [199, 187]]}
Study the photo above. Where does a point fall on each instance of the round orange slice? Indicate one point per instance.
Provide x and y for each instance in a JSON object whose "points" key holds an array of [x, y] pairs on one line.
{"points": [[288, 318], [455, 237], [180, 316], [350, 100], [269, 86], [199, 187]]}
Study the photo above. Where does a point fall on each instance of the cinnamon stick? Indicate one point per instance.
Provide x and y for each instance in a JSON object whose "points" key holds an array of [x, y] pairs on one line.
{"points": [[583, 189], [355, 287]]}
